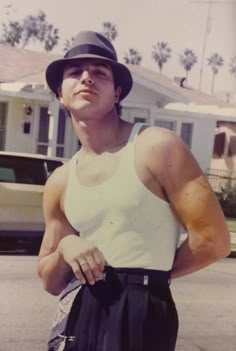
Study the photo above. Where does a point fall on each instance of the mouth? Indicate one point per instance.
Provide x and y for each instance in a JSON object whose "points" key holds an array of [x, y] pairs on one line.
{"points": [[85, 91]]}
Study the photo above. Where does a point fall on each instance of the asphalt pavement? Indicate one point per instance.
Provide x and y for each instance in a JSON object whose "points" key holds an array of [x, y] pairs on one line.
{"points": [[206, 302]]}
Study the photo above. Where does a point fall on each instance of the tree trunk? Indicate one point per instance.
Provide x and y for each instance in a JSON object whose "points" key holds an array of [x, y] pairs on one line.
{"points": [[186, 81], [213, 83]]}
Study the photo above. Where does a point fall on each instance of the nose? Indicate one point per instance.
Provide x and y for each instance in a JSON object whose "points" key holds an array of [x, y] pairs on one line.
{"points": [[86, 78]]}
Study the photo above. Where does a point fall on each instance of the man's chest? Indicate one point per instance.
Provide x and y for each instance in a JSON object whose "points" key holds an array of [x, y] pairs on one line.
{"points": [[94, 170]]}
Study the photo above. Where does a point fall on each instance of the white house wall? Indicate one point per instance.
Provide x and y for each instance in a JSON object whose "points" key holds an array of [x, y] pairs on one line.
{"points": [[203, 133], [203, 141], [138, 93], [16, 140], [203, 127]]}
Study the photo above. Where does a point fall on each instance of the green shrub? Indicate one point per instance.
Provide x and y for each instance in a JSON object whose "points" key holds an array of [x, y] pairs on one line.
{"points": [[227, 199]]}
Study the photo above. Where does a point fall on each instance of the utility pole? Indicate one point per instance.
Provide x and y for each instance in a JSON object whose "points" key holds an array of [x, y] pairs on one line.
{"points": [[207, 30]]}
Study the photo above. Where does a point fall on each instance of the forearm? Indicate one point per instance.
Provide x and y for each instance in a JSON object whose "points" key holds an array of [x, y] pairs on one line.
{"points": [[190, 258], [54, 272]]}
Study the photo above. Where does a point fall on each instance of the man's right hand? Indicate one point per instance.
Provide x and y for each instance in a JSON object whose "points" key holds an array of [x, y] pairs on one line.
{"points": [[86, 260]]}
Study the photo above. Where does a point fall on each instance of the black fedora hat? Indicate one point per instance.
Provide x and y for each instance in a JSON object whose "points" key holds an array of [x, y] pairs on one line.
{"points": [[89, 44]]}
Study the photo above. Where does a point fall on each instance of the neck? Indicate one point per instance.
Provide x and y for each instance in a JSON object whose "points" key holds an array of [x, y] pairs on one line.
{"points": [[100, 135]]}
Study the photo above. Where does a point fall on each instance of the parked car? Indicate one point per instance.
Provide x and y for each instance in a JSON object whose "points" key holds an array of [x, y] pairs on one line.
{"points": [[22, 180]]}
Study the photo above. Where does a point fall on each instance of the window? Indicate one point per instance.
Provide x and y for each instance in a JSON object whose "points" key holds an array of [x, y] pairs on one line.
{"points": [[26, 170], [22, 170], [43, 135], [219, 144], [7, 175], [171, 125], [43, 125], [61, 133], [232, 146], [186, 133], [139, 120], [52, 165], [60, 151]]}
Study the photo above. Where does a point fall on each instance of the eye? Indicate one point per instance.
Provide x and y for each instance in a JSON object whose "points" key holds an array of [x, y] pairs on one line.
{"points": [[75, 72], [100, 72]]}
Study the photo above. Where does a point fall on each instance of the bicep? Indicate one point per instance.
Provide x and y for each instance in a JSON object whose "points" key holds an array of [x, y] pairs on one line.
{"points": [[56, 223], [196, 206], [191, 196]]}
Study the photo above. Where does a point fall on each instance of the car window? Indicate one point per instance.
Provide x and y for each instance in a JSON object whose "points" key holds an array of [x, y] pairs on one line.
{"points": [[7, 175], [52, 165], [22, 170]]}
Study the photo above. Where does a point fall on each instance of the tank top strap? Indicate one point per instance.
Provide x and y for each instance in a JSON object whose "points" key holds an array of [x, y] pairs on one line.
{"points": [[128, 160], [72, 168], [135, 131]]}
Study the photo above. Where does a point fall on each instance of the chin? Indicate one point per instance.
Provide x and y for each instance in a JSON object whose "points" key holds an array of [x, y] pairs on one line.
{"points": [[84, 115]]}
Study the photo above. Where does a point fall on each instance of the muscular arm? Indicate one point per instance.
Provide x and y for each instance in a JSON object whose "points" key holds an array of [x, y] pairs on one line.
{"points": [[52, 268], [62, 251], [194, 204]]}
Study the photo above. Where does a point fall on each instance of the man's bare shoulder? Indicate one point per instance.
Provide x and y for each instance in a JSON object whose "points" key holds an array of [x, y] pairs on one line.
{"points": [[58, 177], [55, 186], [159, 140], [167, 155]]}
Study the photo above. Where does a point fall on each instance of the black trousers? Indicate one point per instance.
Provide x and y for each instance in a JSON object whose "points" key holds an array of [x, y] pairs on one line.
{"points": [[129, 310]]}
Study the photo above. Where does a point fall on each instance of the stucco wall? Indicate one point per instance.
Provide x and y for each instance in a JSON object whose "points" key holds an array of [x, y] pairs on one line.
{"points": [[203, 128], [138, 93], [203, 131], [16, 139], [203, 141]]}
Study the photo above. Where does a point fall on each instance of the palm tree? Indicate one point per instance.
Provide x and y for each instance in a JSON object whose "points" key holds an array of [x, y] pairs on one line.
{"points": [[215, 61], [188, 60], [109, 30], [133, 57], [232, 66], [161, 53]]}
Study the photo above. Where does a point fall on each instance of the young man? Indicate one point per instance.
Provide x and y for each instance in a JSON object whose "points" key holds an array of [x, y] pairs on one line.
{"points": [[112, 212]]}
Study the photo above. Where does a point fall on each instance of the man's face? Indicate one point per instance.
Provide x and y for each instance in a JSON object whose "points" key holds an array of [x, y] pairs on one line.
{"points": [[88, 88]]}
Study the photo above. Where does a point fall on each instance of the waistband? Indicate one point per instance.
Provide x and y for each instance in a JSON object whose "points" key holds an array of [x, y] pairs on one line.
{"points": [[137, 276]]}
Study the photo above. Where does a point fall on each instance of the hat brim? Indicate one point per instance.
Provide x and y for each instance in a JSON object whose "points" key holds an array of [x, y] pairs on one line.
{"points": [[121, 73]]}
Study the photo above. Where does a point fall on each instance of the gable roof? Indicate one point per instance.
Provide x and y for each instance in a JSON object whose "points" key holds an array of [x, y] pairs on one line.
{"points": [[191, 95], [17, 63], [22, 65]]}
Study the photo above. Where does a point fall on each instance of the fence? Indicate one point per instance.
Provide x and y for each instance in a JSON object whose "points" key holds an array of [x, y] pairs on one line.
{"points": [[219, 178]]}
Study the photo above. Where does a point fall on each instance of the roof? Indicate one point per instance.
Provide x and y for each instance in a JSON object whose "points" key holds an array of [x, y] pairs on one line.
{"points": [[192, 95], [17, 64], [22, 65]]}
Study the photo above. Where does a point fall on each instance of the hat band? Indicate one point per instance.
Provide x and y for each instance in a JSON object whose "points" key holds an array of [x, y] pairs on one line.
{"points": [[90, 49]]}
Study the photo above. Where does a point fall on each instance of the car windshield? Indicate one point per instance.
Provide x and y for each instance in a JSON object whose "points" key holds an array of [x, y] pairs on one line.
{"points": [[52, 165], [22, 170]]}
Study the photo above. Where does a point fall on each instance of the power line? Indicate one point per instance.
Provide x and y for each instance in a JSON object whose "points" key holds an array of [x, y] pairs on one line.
{"points": [[208, 28]]}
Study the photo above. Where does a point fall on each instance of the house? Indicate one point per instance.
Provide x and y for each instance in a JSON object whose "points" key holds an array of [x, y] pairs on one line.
{"points": [[32, 120]]}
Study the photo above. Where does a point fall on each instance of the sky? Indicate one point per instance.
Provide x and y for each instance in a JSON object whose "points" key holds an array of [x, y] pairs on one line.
{"points": [[142, 23]]}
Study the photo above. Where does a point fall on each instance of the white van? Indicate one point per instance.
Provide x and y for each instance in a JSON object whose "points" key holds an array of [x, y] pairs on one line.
{"points": [[22, 180]]}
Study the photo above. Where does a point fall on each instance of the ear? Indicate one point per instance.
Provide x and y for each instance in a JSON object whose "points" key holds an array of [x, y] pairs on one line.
{"points": [[117, 94], [59, 94]]}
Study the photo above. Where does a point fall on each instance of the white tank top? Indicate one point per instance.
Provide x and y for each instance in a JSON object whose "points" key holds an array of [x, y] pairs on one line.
{"points": [[129, 224]]}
